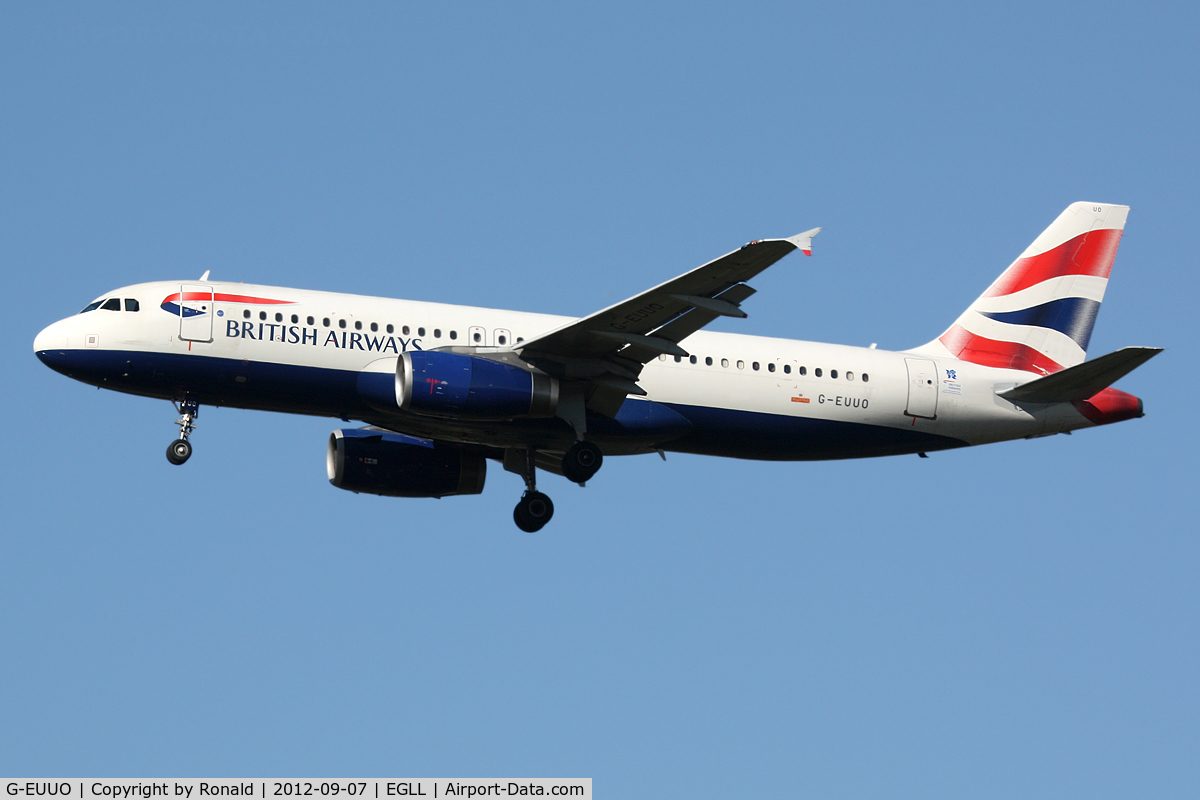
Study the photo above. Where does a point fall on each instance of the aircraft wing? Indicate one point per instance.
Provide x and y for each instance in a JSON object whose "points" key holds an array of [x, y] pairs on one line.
{"points": [[608, 348]]}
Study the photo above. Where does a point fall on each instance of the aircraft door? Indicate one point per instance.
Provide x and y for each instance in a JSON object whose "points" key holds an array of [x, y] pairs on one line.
{"points": [[476, 336], [195, 313], [922, 388], [503, 338]]}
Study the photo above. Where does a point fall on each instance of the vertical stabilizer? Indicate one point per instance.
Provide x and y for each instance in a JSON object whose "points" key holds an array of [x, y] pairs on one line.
{"points": [[1038, 315]]}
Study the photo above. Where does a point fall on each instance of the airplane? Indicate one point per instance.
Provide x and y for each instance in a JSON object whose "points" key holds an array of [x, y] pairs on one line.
{"points": [[443, 389]]}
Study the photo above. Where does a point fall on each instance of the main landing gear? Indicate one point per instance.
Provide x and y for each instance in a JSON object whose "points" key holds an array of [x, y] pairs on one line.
{"points": [[581, 461], [534, 510], [180, 450]]}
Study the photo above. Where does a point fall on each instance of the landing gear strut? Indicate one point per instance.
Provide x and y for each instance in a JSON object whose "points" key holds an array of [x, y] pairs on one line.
{"points": [[534, 509], [180, 450]]}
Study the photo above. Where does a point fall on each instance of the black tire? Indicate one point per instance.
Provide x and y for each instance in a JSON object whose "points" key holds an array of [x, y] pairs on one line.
{"points": [[179, 451], [581, 461], [533, 511]]}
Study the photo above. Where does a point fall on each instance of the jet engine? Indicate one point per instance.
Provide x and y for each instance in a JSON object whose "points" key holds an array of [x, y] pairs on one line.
{"points": [[443, 384], [395, 465]]}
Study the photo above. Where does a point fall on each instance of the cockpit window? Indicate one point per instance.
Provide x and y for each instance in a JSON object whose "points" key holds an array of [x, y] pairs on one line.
{"points": [[131, 304], [91, 306], [112, 305]]}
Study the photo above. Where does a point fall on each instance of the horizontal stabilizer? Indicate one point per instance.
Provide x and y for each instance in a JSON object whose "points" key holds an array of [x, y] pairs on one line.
{"points": [[1082, 380]]}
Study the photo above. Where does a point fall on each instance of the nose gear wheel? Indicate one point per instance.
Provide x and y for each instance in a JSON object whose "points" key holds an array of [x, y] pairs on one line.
{"points": [[180, 450]]}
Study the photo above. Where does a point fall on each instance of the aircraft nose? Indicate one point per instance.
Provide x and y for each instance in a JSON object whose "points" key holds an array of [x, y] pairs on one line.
{"points": [[51, 338], [51, 345]]}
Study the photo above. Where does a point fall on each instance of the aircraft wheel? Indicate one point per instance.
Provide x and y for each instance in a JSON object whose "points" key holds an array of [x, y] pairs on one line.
{"points": [[179, 451], [581, 461], [533, 511]]}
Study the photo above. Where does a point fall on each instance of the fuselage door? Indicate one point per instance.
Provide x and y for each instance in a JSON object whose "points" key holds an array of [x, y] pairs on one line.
{"points": [[503, 338], [476, 336], [922, 388], [195, 313]]}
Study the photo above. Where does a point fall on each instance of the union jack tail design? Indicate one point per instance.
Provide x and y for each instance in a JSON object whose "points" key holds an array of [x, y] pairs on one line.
{"points": [[1038, 315]]}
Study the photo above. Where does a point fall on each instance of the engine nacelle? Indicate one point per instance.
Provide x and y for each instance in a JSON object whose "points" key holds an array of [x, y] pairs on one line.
{"points": [[444, 384], [395, 465]]}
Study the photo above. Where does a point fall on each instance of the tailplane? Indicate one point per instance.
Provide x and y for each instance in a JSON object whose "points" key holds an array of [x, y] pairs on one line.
{"points": [[1038, 315]]}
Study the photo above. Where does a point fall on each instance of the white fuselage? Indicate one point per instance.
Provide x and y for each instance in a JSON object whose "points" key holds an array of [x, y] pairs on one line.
{"points": [[261, 348]]}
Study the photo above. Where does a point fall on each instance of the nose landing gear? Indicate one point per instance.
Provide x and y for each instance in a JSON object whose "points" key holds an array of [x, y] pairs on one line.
{"points": [[180, 450]]}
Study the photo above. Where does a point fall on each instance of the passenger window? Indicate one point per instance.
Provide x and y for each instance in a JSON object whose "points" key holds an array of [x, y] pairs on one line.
{"points": [[91, 306], [131, 304], [112, 305]]}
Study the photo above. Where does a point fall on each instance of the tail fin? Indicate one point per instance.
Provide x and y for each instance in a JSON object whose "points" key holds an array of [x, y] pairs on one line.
{"points": [[1038, 315]]}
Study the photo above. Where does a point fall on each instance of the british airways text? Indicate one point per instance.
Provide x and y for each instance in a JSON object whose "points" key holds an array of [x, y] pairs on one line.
{"points": [[296, 334]]}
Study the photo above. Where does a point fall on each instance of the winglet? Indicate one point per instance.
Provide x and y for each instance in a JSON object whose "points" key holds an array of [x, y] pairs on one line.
{"points": [[803, 241]]}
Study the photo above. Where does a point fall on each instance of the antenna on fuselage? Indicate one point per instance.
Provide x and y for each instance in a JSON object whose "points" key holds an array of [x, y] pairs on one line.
{"points": [[204, 277]]}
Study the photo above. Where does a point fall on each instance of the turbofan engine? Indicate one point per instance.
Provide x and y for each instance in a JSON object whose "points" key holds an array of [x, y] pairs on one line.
{"points": [[443, 384], [395, 465]]}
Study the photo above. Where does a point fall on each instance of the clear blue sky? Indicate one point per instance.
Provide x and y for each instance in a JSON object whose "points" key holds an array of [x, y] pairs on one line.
{"points": [[1018, 620]]}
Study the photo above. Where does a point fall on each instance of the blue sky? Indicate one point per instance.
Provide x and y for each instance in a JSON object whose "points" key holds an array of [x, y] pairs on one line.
{"points": [[1013, 620]]}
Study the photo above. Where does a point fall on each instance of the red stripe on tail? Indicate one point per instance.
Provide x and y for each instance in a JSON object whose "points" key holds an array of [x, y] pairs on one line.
{"points": [[967, 346], [1090, 253]]}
